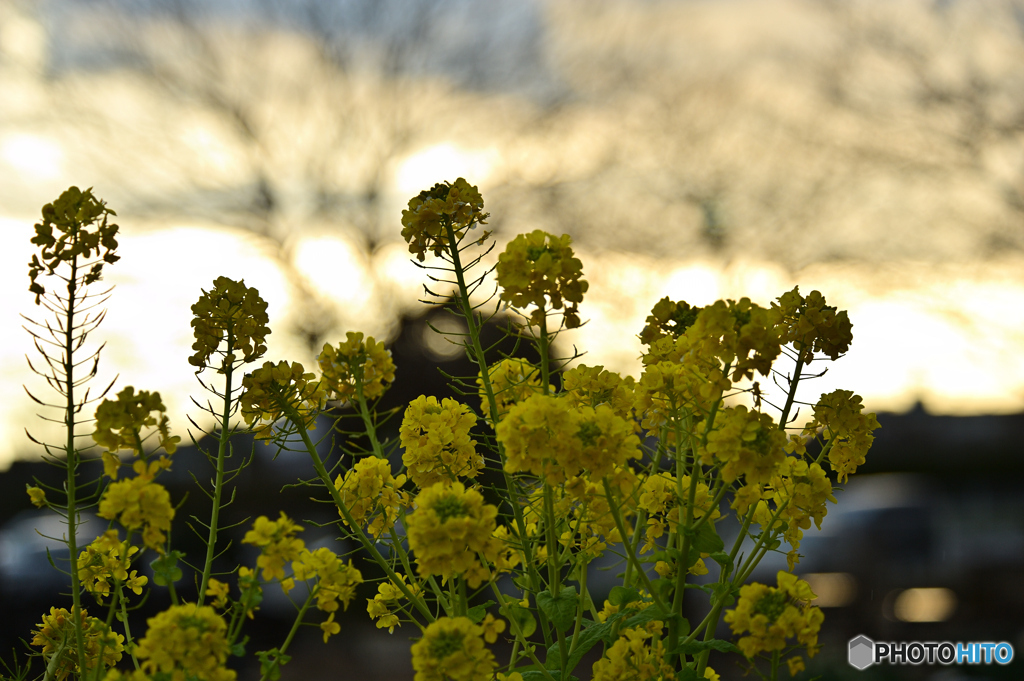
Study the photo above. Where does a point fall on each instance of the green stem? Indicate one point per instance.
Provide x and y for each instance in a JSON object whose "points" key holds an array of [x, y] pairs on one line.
{"points": [[218, 485], [291, 633], [72, 460], [321, 472], [630, 554], [518, 632]]}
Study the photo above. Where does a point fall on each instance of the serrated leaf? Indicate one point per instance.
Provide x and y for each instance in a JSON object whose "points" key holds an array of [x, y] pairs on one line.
{"points": [[697, 647], [478, 612], [622, 595], [561, 609], [687, 674], [722, 559], [707, 540]]}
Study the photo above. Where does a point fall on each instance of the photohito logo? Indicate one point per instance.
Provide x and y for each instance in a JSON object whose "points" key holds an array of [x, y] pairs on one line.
{"points": [[863, 652]]}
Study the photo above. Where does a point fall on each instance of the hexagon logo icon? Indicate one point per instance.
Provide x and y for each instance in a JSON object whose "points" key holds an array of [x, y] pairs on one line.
{"points": [[862, 652]]}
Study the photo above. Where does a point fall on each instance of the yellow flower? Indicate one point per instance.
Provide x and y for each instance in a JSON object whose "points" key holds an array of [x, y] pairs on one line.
{"points": [[231, 314], [329, 627], [492, 627], [336, 580], [512, 381], [540, 269], [795, 664], [593, 386], [355, 366], [379, 607], [851, 432], [636, 656], [372, 495], [424, 225], [452, 649], [668, 318], [748, 443], [58, 629], [218, 591], [282, 390], [186, 641], [450, 526], [812, 326], [119, 424], [277, 542], [37, 495], [104, 562], [437, 443], [140, 503], [545, 437], [72, 214], [772, 615]]}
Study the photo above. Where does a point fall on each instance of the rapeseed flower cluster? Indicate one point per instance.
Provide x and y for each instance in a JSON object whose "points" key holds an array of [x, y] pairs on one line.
{"points": [[105, 562], [540, 269], [424, 224], [587, 386], [387, 599], [336, 579], [435, 436], [277, 391], [452, 649], [450, 530], [813, 326], [850, 431], [667, 389], [772, 616], [277, 543], [138, 503], [800, 490], [747, 443], [663, 497], [186, 642], [55, 635], [355, 366], [512, 380], [637, 655], [71, 215], [372, 495], [230, 313], [119, 423], [668, 318], [545, 437]]}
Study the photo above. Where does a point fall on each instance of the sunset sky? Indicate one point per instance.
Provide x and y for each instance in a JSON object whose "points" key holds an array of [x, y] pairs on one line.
{"points": [[699, 150]]}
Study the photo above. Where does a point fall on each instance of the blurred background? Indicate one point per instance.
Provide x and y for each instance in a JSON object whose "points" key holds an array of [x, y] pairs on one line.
{"points": [[695, 149]]}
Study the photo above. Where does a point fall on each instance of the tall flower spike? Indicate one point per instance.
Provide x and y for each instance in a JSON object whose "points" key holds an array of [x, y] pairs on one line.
{"points": [[354, 363], [540, 269], [71, 215], [230, 313], [119, 421], [458, 204]]}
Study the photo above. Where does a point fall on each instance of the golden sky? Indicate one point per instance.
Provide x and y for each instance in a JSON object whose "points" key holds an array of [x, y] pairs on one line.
{"points": [[697, 150]]}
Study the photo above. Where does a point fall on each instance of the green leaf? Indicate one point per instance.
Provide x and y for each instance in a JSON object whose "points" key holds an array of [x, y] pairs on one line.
{"points": [[478, 612], [722, 558], [707, 540], [687, 674], [271, 662], [521, 616], [534, 675], [697, 647], [166, 570], [621, 595], [561, 610]]}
